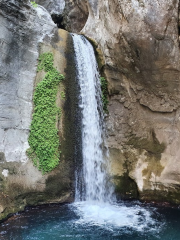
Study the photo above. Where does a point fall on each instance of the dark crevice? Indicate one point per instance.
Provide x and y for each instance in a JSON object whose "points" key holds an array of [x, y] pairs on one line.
{"points": [[58, 20]]}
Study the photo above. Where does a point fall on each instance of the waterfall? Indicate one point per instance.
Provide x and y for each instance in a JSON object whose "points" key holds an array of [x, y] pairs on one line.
{"points": [[94, 201], [91, 181]]}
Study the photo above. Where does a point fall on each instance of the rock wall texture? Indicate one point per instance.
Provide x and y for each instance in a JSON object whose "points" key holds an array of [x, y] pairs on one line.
{"points": [[140, 44], [67, 14], [137, 44], [22, 28], [24, 33], [53, 6]]}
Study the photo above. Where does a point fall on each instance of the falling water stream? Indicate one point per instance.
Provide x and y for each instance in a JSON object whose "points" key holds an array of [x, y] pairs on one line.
{"points": [[95, 202], [94, 170], [95, 214]]}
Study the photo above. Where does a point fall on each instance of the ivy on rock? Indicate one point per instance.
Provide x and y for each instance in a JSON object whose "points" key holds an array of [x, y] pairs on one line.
{"points": [[43, 139], [104, 89]]}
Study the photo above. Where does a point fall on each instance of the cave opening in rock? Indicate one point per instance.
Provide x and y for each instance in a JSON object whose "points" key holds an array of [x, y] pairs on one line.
{"points": [[58, 20]]}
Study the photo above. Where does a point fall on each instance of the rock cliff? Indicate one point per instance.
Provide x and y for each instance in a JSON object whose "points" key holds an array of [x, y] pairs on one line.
{"points": [[25, 32], [137, 45], [137, 42], [140, 44]]}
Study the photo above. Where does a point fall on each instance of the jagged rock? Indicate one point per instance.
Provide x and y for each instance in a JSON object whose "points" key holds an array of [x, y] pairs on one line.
{"points": [[67, 14], [75, 15], [24, 32], [53, 6]]}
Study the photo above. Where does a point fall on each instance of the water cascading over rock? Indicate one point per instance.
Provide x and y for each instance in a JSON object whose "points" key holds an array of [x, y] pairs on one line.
{"points": [[94, 199], [91, 180]]}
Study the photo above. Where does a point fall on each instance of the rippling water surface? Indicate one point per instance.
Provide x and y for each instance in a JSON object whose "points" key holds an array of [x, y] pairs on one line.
{"points": [[125, 221]]}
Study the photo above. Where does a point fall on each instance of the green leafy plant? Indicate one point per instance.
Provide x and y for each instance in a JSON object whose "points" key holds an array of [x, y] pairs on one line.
{"points": [[34, 4], [104, 89], [43, 139]]}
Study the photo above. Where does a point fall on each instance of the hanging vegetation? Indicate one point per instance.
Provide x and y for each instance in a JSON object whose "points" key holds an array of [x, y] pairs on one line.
{"points": [[43, 139]]}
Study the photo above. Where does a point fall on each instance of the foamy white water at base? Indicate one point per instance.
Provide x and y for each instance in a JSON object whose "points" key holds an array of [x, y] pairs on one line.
{"points": [[115, 216]]}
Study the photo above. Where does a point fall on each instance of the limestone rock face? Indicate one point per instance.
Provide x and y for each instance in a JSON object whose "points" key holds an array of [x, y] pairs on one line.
{"points": [[24, 33], [67, 14], [53, 6], [140, 44], [75, 15], [22, 28]]}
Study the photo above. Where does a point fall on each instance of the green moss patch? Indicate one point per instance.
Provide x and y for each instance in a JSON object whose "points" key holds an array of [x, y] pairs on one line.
{"points": [[104, 89], [43, 139]]}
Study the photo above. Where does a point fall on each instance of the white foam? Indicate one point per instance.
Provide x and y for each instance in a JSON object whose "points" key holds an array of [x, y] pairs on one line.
{"points": [[115, 216]]}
